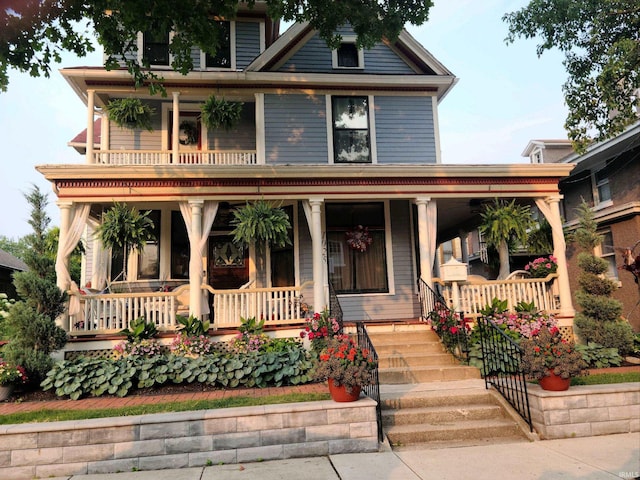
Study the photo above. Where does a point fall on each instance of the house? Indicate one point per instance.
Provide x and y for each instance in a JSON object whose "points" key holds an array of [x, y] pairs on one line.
{"points": [[606, 177], [8, 266], [346, 141]]}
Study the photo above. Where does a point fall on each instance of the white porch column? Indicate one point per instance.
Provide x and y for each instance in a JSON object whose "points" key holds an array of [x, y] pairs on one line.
{"points": [[63, 283], [550, 207], [464, 247], [195, 260], [319, 299], [426, 250], [90, 122], [175, 128]]}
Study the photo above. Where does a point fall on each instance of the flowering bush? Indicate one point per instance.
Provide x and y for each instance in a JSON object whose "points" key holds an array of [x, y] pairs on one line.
{"points": [[343, 361], [249, 342], [183, 344], [10, 374], [359, 239], [320, 326], [450, 327], [547, 351], [543, 266], [146, 347]]}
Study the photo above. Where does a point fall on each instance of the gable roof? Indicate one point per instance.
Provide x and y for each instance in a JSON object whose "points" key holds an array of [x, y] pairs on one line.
{"points": [[10, 262], [79, 142]]}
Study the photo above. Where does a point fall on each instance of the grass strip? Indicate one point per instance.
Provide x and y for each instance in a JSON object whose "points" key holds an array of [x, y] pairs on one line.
{"points": [[606, 378], [40, 416]]}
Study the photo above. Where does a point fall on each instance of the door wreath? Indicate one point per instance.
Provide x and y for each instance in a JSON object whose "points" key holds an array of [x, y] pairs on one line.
{"points": [[359, 238]]}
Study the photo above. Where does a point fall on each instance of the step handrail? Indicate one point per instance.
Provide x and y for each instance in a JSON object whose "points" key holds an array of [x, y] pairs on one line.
{"points": [[502, 367], [372, 390]]}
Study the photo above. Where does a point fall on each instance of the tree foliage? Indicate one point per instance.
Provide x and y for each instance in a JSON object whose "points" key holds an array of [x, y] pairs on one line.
{"points": [[601, 44], [34, 33]]}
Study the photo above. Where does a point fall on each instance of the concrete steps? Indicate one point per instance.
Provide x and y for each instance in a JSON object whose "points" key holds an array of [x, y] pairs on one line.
{"points": [[429, 399]]}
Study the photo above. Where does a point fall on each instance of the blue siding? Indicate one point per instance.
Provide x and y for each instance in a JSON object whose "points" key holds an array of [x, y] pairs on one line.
{"points": [[242, 137], [315, 57], [126, 139], [247, 43], [405, 131], [295, 129]]}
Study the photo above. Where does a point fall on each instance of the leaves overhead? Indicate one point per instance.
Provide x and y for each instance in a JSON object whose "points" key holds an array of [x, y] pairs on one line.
{"points": [[601, 44], [34, 33]]}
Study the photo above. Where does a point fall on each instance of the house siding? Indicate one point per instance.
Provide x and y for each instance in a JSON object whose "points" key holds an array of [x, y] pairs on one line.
{"points": [[405, 131], [242, 137], [247, 43], [315, 57], [125, 139], [295, 129]]}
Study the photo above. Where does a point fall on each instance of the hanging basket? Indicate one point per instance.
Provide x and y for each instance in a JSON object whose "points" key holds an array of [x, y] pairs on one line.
{"points": [[130, 113], [359, 239], [220, 113]]}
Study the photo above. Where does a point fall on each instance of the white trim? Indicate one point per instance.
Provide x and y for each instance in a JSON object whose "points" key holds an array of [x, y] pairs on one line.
{"points": [[347, 39], [328, 116], [232, 52], [261, 154], [263, 37], [140, 52], [436, 128], [373, 144]]}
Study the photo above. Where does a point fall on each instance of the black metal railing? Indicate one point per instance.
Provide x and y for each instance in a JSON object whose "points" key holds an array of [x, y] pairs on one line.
{"points": [[451, 327], [502, 367], [373, 390]]}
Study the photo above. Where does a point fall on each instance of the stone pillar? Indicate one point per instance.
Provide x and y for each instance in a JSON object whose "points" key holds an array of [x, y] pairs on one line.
{"points": [[195, 260], [90, 122], [319, 298], [175, 131]]}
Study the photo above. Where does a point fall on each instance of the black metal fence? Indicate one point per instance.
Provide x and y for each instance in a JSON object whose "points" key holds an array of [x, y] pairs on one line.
{"points": [[373, 390], [502, 360]]}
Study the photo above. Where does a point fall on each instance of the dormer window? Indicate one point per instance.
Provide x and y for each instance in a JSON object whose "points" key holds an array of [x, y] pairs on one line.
{"points": [[348, 55], [225, 54], [155, 47]]}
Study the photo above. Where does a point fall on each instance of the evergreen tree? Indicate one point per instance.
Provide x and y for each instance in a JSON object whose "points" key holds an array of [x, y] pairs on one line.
{"points": [[32, 332], [599, 321]]}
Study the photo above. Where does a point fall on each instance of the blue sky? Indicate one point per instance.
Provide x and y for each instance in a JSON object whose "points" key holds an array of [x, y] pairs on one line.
{"points": [[505, 96]]}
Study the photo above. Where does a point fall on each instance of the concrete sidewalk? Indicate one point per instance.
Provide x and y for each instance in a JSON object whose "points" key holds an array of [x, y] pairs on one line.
{"points": [[586, 458]]}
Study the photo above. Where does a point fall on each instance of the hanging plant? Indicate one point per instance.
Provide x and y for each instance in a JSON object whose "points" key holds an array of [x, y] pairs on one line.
{"points": [[130, 113], [261, 223], [220, 113], [359, 238], [188, 134]]}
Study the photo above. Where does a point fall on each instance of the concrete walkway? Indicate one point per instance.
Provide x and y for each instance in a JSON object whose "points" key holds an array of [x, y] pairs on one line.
{"points": [[586, 458]]}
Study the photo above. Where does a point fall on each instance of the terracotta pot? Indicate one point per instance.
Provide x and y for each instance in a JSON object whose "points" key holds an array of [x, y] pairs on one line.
{"points": [[340, 394], [555, 383], [5, 392]]}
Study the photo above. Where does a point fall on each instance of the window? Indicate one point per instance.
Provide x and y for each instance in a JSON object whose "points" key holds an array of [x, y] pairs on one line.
{"points": [[352, 270], [149, 257], [222, 58], [606, 251], [602, 186], [155, 47], [350, 117], [348, 55], [282, 259], [179, 247]]}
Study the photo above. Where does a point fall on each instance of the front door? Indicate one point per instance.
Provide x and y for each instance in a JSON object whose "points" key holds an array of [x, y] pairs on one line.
{"points": [[228, 262]]}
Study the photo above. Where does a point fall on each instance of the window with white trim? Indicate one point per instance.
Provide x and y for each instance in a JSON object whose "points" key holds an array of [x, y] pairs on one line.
{"points": [[350, 120], [607, 252], [348, 55], [155, 47], [224, 54]]}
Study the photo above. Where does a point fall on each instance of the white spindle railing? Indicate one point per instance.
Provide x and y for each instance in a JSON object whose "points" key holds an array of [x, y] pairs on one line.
{"points": [[474, 296], [276, 306], [163, 157]]}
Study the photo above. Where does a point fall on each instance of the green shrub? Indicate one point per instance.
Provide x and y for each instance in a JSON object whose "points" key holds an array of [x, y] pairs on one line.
{"points": [[592, 264], [595, 284], [598, 356]]}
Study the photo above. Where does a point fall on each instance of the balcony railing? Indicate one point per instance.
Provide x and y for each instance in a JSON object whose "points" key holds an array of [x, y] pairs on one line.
{"points": [[106, 313], [166, 157], [475, 295]]}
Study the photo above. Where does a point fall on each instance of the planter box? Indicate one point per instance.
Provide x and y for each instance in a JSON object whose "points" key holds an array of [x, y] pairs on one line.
{"points": [[187, 439], [584, 411]]}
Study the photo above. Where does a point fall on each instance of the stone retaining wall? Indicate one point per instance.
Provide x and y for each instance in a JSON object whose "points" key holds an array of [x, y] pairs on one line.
{"points": [[584, 411], [187, 439]]}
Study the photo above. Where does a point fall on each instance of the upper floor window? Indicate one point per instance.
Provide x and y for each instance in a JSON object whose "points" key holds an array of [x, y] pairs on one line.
{"points": [[155, 47], [607, 252], [350, 118], [223, 57], [602, 192], [348, 55]]}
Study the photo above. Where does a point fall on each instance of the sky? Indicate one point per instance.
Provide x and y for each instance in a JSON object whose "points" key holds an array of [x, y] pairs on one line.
{"points": [[505, 96]]}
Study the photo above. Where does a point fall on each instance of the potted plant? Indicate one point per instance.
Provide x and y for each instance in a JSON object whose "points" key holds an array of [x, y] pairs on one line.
{"points": [[346, 367], [10, 376], [550, 359], [542, 266], [220, 113], [130, 113]]}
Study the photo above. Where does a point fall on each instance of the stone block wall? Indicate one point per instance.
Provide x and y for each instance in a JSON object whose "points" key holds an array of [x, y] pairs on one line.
{"points": [[584, 411], [187, 439]]}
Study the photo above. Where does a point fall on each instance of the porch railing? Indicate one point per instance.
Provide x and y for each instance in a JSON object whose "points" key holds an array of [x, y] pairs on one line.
{"points": [[502, 360], [474, 296], [165, 157]]}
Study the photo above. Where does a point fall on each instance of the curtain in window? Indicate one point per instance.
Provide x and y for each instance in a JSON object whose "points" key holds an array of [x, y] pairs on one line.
{"points": [[352, 271]]}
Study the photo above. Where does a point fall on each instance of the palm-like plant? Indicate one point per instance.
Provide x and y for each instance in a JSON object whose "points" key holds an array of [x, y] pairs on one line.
{"points": [[127, 229], [502, 222]]}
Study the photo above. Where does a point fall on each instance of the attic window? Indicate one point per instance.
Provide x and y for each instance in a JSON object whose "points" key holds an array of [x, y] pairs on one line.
{"points": [[348, 55]]}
